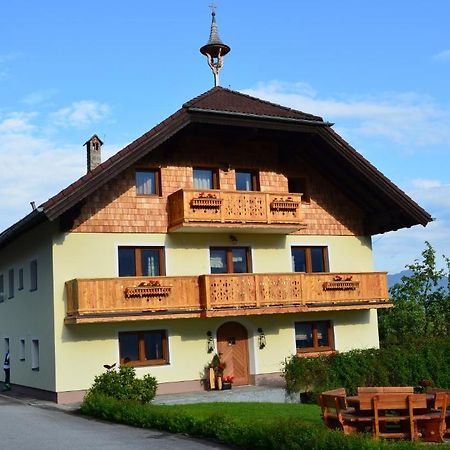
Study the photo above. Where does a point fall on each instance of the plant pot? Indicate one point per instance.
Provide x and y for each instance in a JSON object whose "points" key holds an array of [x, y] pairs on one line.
{"points": [[226, 385], [306, 397]]}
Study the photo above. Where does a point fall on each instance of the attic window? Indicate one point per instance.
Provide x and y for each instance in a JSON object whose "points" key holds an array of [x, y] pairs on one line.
{"points": [[148, 182], [299, 185]]}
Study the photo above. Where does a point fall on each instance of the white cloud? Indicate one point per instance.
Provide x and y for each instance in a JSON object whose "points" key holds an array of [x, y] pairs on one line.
{"points": [[17, 122], [38, 97], [35, 164], [80, 114], [442, 56], [396, 249], [405, 118]]}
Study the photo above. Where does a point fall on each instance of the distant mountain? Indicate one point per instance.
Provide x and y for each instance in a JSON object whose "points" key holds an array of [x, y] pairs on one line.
{"points": [[394, 278]]}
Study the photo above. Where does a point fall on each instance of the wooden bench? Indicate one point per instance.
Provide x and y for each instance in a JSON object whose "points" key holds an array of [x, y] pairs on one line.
{"points": [[385, 390], [337, 415], [432, 424], [447, 416], [397, 409]]}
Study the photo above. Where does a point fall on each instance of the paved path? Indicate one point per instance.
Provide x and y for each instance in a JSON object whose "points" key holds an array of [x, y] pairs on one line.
{"points": [[237, 394], [24, 426]]}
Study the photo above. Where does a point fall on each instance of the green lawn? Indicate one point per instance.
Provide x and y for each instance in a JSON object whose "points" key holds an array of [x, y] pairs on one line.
{"points": [[250, 412]]}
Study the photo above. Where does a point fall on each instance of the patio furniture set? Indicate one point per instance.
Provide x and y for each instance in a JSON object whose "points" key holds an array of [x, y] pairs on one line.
{"points": [[389, 412]]}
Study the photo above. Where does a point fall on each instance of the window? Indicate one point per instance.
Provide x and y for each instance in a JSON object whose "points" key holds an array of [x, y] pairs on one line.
{"points": [[309, 259], [148, 182], [22, 349], [20, 286], [246, 181], [142, 348], [35, 354], [314, 336], [11, 283], [299, 186], [141, 261], [230, 260], [206, 179], [33, 275], [2, 288]]}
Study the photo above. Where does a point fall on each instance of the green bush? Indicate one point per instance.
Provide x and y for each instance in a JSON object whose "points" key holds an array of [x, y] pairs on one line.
{"points": [[280, 434], [123, 385], [393, 365]]}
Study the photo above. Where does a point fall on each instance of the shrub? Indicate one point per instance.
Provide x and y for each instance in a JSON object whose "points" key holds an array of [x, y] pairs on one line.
{"points": [[393, 365], [123, 385]]}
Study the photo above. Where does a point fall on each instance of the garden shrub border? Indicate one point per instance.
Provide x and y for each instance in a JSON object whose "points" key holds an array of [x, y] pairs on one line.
{"points": [[281, 434], [393, 365]]}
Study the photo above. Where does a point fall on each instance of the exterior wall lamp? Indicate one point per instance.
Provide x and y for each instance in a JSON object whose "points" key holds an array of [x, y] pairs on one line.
{"points": [[209, 342], [261, 338]]}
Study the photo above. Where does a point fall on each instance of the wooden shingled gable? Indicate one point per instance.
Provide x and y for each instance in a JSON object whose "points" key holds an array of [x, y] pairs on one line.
{"points": [[226, 108]]}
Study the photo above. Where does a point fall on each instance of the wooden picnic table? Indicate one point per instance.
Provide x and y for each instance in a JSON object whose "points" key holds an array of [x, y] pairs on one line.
{"points": [[388, 413]]}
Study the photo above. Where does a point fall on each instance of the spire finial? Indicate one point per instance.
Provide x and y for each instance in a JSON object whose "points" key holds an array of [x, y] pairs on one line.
{"points": [[215, 49], [213, 8]]}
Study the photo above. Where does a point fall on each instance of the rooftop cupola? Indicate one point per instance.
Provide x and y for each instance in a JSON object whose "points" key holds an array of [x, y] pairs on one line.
{"points": [[93, 150], [215, 49]]}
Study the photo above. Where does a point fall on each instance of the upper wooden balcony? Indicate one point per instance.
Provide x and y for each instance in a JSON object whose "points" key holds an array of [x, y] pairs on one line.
{"points": [[216, 210], [138, 298]]}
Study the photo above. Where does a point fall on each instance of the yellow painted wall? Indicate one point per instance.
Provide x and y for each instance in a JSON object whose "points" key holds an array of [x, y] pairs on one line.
{"points": [[29, 315], [83, 349]]}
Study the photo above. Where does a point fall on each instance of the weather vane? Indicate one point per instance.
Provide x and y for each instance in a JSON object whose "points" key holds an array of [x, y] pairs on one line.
{"points": [[215, 49]]}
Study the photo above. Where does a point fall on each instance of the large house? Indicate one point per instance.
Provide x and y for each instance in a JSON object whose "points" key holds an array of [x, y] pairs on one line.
{"points": [[236, 226]]}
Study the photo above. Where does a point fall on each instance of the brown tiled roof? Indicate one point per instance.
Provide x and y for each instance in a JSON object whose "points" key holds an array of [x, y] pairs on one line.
{"points": [[214, 101], [221, 99]]}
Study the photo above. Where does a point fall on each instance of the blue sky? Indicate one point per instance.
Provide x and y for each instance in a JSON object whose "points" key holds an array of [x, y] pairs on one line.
{"points": [[379, 70]]}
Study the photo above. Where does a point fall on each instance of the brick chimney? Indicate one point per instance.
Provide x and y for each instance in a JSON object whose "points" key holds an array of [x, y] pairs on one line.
{"points": [[93, 150]]}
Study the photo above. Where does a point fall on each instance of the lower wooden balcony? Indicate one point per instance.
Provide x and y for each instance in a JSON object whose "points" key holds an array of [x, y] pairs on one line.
{"points": [[237, 211], [139, 298]]}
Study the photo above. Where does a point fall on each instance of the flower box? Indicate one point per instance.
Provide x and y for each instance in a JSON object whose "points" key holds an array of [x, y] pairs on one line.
{"points": [[147, 291], [206, 202], [340, 285], [284, 205], [226, 385]]}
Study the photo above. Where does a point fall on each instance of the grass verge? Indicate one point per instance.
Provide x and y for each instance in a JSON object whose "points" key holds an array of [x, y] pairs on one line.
{"points": [[244, 425]]}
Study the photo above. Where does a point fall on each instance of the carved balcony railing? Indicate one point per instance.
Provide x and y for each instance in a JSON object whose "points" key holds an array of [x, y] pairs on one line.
{"points": [[103, 299], [137, 298], [293, 289], [242, 210]]}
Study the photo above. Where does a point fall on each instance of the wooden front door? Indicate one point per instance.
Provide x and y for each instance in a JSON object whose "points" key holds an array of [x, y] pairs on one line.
{"points": [[232, 344]]}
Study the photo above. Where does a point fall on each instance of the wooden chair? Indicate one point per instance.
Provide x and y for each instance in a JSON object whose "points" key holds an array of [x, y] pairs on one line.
{"points": [[394, 412], [337, 415], [431, 424], [447, 415], [335, 412]]}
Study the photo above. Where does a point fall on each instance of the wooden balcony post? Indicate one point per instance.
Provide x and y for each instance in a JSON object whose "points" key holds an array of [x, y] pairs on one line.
{"points": [[205, 292], [256, 281]]}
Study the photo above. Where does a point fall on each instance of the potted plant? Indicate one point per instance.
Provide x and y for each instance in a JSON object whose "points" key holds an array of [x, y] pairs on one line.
{"points": [[227, 382], [215, 373]]}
